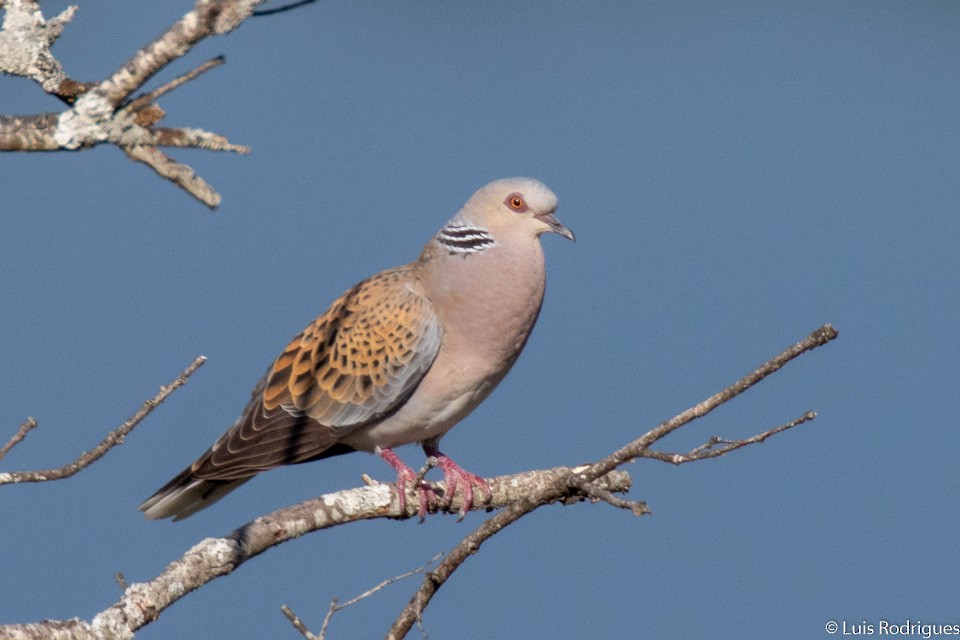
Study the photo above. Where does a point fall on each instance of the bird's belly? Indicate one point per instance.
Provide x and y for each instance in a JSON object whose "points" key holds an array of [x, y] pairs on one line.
{"points": [[421, 418]]}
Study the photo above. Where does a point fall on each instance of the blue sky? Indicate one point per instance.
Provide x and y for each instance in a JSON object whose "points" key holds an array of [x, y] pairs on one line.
{"points": [[737, 174]]}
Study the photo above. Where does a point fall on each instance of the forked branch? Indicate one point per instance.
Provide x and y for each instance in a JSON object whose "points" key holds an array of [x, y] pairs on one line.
{"points": [[336, 605], [105, 112], [583, 481]]}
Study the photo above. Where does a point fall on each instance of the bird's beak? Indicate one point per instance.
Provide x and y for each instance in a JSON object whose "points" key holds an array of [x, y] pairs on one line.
{"points": [[556, 226]]}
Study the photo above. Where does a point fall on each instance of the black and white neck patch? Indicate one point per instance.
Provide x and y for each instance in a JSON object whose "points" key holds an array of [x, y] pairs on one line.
{"points": [[464, 238]]}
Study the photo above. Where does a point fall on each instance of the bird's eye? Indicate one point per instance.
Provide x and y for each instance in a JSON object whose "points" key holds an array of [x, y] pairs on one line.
{"points": [[516, 202]]}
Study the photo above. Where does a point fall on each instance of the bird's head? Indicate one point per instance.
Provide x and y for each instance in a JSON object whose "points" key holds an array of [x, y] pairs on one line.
{"points": [[514, 205]]}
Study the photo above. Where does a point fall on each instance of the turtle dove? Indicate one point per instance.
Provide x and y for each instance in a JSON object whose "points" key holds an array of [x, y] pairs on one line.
{"points": [[399, 358]]}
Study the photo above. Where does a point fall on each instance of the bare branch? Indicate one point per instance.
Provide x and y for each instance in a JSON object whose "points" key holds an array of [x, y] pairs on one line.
{"points": [[335, 606], [560, 487], [716, 446], [25, 428], [29, 133], [114, 438], [635, 449]]}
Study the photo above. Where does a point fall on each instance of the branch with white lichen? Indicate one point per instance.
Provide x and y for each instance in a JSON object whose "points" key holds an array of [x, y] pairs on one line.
{"points": [[25, 43], [212, 558], [516, 495], [106, 112]]}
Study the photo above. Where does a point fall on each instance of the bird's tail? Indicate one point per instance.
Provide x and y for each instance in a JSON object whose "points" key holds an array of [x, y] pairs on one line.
{"points": [[186, 494]]}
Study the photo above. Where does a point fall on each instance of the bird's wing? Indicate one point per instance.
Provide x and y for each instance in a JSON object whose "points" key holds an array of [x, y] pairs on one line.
{"points": [[357, 362]]}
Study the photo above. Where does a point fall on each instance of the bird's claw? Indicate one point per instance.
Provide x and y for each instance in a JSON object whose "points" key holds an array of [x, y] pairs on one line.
{"points": [[405, 476], [425, 492], [455, 476]]}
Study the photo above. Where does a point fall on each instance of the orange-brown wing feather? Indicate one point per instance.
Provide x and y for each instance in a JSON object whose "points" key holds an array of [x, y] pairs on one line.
{"points": [[354, 364], [367, 353]]}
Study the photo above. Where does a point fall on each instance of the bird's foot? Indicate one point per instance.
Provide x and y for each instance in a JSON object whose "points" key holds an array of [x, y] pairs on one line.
{"points": [[405, 476], [455, 476]]}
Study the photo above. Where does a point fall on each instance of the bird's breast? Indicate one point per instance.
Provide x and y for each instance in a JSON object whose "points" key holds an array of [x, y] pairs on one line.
{"points": [[487, 305], [489, 302]]}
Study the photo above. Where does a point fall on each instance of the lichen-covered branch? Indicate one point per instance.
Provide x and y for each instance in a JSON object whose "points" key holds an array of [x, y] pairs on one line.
{"points": [[142, 603], [180, 174], [208, 18], [25, 43], [517, 495], [29, 133], [105, 112]]}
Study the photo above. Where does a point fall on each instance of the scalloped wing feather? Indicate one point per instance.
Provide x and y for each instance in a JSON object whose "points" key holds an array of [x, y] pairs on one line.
{"points": [[354, 364], [361, 358]]}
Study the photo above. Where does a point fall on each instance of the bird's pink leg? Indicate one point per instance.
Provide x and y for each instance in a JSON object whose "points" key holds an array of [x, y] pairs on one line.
{"points": [[455, 475], [404, 475]]}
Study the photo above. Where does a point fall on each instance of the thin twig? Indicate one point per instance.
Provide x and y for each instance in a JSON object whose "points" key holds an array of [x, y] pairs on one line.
{"points": [[635, 449], [709, 444], [335, 605], [281, 9], [639, 508], [386, 583], [430, 463], [113, 438], [297, 623], [28, 425], [147, 98], [716, 447]]}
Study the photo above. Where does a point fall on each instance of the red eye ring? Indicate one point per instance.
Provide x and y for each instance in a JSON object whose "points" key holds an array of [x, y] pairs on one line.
{"points": [[516, 202]]}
